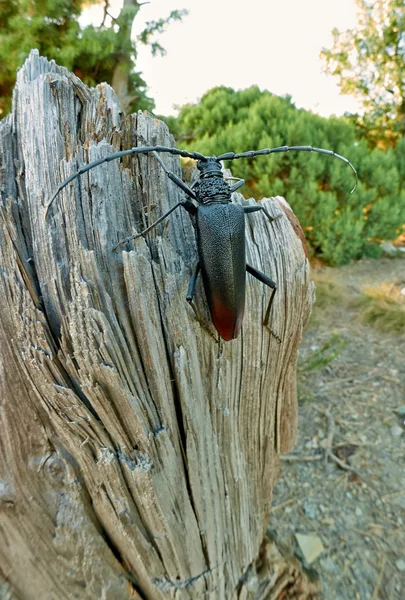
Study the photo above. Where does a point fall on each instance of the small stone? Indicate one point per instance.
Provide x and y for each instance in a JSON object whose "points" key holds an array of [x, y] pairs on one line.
{"points": [[389, 249], [328, 521], [400, 565], [396, 431], [310, 545], [329, 565], [401, 409], [253, 583], [359, 512], [310, 511]]}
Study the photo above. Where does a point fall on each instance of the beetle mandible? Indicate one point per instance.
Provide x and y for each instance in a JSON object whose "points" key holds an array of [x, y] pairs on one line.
{"points": [[219, 226]]}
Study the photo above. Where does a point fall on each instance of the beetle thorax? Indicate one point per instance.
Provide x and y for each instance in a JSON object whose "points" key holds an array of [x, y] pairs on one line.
{"points": [[211, 187]]}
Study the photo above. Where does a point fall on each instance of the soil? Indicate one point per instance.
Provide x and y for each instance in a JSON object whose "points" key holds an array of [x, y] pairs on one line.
{"points": [[351, 408]]}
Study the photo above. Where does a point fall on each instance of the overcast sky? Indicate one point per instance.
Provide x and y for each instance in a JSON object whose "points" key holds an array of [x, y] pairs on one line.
{"points": [[274, 44]]}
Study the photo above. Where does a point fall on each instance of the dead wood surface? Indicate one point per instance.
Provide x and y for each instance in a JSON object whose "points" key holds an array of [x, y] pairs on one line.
{"points": [[138, 454]]}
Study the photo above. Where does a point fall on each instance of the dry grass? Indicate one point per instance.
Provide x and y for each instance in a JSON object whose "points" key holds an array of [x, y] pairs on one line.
{"points": [[321, 357], [383, 306], [330, 294], [400, 241]]}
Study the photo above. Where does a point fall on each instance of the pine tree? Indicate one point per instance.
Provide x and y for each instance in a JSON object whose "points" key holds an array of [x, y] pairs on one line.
{"points": [[96, 53], [369, 62], [339, 226]]}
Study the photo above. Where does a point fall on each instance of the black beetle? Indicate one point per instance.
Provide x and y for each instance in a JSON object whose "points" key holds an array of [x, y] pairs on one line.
{"points": [[220, 230]]}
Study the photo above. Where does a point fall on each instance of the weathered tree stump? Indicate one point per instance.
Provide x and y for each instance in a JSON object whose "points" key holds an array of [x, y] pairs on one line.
{"points": [[138, 454]]}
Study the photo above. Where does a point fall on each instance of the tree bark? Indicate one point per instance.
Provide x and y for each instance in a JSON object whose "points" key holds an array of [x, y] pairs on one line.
{"points": [[138, 453]]}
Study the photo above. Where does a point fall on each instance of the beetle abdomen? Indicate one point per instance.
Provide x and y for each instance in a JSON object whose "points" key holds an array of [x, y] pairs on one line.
{"points": [[221, 250]]}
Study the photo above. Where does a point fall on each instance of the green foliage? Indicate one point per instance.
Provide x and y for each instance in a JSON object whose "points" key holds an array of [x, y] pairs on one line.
{"points": [[369, 62], [153, 27], [339, 226], [94, 53]]}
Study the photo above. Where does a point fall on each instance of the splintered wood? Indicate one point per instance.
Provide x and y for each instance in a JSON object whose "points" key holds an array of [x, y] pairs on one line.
{"points": [[138, 453]]}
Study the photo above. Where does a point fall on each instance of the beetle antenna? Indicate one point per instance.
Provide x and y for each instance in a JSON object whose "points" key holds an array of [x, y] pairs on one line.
{"points": [[252, 153], [115, 155]]}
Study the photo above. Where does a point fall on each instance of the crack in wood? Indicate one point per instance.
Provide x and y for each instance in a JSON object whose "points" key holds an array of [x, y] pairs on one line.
{"points": [[165, 584]]}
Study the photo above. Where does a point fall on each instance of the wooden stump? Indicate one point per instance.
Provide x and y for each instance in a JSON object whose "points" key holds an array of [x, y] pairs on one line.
{"points": [[138, 454]]}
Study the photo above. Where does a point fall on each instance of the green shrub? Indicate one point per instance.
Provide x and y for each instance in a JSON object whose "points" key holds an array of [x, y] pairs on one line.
{"points": [[339, 226]]}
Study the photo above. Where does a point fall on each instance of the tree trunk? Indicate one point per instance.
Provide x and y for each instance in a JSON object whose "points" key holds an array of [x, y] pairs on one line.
{"points": [[138, 453], [124, 63]]}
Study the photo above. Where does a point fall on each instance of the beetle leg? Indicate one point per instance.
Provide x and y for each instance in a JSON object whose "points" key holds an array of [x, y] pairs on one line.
{"points": [[191, 289], [192, 284], [269, 282], [237, 185], [255, 207], [190, 296], [145, 231], [179, 182]]}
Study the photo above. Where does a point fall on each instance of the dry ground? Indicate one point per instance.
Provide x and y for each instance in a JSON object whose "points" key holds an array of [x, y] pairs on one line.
{"points": [[352, 407]]}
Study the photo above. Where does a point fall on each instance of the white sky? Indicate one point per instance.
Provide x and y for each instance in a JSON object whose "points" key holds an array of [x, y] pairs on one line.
{"points": [[274, 44]]}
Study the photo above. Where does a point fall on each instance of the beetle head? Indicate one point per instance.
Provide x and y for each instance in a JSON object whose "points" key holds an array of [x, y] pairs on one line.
{"points": [[210, 167], [211, 187]]}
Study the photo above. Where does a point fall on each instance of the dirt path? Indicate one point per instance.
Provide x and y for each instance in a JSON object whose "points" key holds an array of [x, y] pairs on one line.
{"points": [[352, 402]]}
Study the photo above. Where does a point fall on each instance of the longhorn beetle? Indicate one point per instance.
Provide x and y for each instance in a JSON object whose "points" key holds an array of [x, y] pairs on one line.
{"points": [[220, 229]]}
